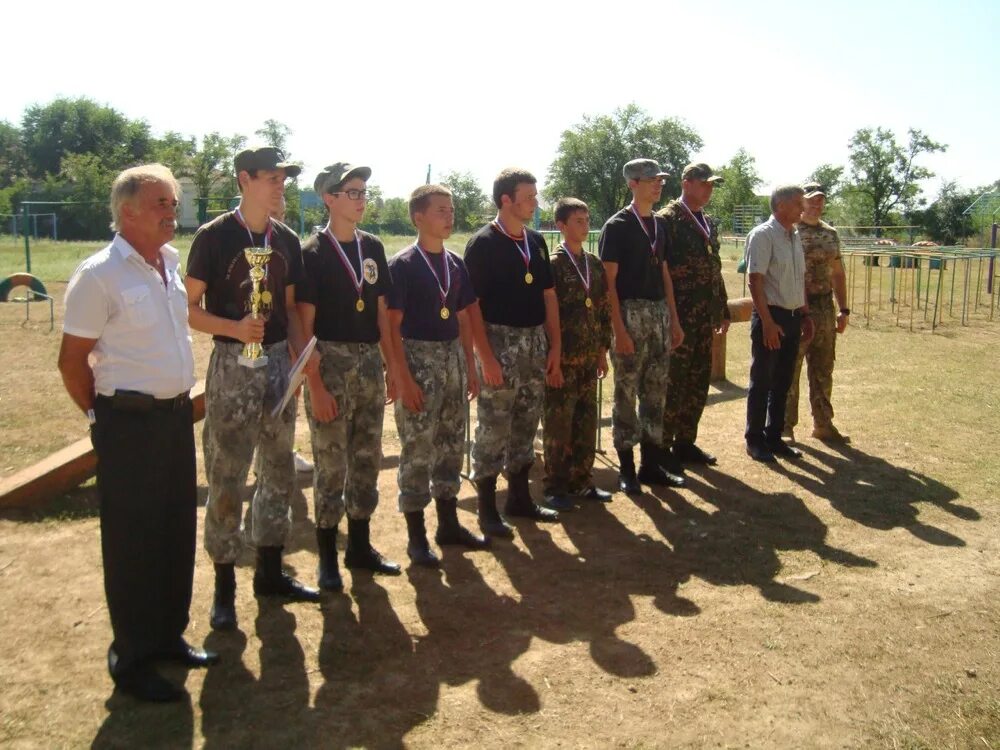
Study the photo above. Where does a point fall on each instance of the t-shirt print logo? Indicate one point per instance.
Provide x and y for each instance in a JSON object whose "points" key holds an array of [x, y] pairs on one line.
{"points": [[369, 269]]}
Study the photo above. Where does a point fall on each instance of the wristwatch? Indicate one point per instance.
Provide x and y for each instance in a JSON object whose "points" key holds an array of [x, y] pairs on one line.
{"points": [[845, 311]]}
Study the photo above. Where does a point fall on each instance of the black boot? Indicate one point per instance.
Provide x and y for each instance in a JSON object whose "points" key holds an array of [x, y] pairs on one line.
{"points": [[329, 572], [418, 548], [223, 616], [270, 580], [519, 502], [652, 468], [450, 531], [627, 481], [360, 553], [490, 522]]}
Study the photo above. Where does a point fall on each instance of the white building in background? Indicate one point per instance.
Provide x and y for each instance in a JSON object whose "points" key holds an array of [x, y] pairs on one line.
{"points": [[187, 212]]}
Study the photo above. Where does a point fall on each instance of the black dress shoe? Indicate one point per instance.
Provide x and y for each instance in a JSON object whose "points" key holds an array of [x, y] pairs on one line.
{"points": [[191, 656], [495, 528], [628, 483], [760, 453], [532, 511], [655, 474], [370, 559], [596, 494], [781, 448], [144, 683], [693, 454], [559, 502]]}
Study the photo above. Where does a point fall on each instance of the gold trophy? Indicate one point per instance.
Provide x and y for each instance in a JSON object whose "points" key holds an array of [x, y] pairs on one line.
{"points": [[259, 303]]}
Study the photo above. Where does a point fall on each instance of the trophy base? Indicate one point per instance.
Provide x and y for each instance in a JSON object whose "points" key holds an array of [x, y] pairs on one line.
{"points": [[253, 363]]}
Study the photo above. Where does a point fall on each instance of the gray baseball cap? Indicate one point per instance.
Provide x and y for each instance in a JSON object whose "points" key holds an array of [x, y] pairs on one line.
{"points": [[266, 158], [332, 177], [701, 172], [642, 169], [812, 189]]}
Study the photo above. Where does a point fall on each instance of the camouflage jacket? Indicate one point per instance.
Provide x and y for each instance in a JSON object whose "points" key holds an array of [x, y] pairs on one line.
{"points": [[821, 245], [585, 330], [695, 265]]}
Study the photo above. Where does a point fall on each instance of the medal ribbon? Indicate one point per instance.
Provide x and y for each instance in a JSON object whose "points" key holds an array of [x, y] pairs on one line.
{"points": [[656, 229], [526, 251], [702, 227], [442, 290], [576, 267], [358, 280], [267, 232]]}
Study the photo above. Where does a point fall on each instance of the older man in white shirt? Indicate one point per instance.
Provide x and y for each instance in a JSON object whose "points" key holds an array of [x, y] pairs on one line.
{"points": [[776, 277], [126, 361]]}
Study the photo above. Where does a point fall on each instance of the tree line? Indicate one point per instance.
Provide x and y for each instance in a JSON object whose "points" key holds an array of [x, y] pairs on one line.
{"points": [[70, 149]]}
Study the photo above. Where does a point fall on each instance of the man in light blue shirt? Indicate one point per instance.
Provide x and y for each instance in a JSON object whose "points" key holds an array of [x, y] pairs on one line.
{"points": [[776, 277]]}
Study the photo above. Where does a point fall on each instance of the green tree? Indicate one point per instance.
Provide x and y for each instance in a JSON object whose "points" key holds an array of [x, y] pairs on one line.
{"points": [[85, 181], [829, 177], [944, 220], [471, 203], [739, 188], [886, 172], [275, 134], [395, 216], [80, 126], [591, 154], [12, 164], [174, 151]]}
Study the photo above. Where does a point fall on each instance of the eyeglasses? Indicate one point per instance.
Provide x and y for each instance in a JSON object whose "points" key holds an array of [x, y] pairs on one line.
{"points": [[354, 195]]}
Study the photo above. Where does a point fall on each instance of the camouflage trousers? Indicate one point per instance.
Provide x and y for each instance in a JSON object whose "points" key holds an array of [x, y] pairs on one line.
{"points": [[641, 376], [347, 451], [570, 429], [432, 441], [238, 405], [508, 415], [819, 354], [688, 375]]}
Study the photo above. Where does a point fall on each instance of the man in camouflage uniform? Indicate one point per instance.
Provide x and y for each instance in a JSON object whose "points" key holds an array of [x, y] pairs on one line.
{"points": [[432, 338], [825, 279], [342, 302], [518, 348], [571, 412], [696, 270], [239, 399], [645, 325]]}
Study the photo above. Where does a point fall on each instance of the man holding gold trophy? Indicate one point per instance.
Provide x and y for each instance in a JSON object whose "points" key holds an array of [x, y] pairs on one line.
{"points": [[243, 268]]}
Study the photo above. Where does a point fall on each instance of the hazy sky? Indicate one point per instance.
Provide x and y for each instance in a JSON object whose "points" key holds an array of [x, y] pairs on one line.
{"points": [[475, 86]]}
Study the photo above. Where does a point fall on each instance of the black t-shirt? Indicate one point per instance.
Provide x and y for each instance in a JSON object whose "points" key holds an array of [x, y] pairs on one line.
{"points": [[415, 291], [497, 270], [640, 271], [217, 259], [326, 283]]}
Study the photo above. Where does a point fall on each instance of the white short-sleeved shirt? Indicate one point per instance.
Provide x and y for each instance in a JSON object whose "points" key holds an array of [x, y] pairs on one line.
{"points": [[141, 325], [776, 254]]}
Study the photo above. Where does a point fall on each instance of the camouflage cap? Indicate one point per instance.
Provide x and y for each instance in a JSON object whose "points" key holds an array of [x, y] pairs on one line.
{"points": [[266, 158], [701, 172], [642, 169], [332, 177], [812, 189]]}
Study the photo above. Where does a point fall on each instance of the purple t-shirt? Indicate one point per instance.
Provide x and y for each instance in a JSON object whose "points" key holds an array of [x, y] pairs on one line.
{"points": [[415, 291]]}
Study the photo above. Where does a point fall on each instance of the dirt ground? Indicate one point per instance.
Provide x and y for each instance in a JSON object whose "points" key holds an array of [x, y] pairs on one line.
{"points": [[845, 600]]}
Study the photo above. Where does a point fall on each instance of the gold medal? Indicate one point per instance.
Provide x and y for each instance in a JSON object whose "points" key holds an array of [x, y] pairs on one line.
{"points": [[360, 305], [528, 278], [589, 302], [445, 313], [265, 297]]}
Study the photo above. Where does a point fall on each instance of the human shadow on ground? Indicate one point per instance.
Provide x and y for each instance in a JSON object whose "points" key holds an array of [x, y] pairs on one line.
{"points": [[871, 491], [130, 723], [738, 544]]}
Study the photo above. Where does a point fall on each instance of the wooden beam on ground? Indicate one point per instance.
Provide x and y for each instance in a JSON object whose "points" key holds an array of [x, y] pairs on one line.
{"points": [[66, 469], [739, 312]]}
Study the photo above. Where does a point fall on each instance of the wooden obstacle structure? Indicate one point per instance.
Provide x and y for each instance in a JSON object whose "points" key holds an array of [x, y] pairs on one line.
{"points": [[739, 312], [65, 470]]}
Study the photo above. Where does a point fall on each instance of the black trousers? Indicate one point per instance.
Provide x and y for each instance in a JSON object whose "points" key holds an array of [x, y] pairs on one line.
{"points": [[147, 482], [771, 376]]}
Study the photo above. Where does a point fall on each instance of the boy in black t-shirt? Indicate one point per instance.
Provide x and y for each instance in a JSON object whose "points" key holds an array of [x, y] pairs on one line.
{"points": [[432, 339], [509, 267], [342, 301], [239, 399]]}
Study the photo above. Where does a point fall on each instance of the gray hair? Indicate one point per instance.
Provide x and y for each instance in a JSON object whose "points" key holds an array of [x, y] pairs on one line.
{"points": [[783, 193], [127, 185]]}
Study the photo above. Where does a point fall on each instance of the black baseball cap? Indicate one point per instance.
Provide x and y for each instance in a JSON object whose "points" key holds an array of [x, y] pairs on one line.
{"points": [[266, 158], [332, 177], [701, 172]]}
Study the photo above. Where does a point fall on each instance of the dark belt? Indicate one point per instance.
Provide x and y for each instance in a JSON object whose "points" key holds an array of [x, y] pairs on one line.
{"points": [[144, 402]]}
